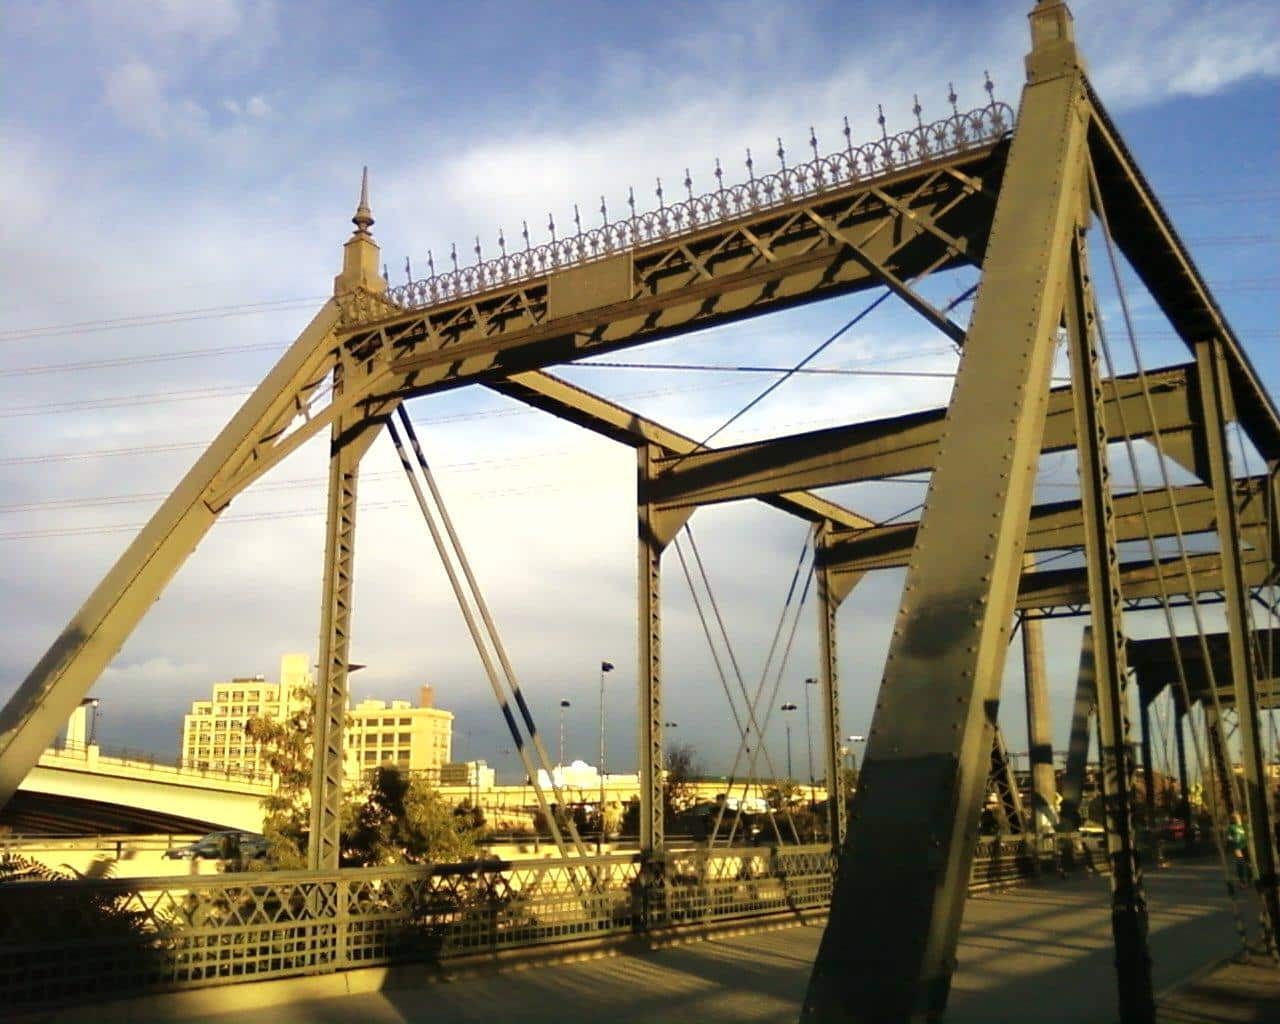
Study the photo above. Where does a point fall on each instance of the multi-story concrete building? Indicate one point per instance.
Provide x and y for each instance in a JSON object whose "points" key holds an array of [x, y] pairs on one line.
{"points": [[378, 733]]}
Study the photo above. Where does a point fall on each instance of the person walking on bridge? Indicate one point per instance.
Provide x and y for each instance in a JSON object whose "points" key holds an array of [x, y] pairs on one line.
{"points": [[1237, 841]]}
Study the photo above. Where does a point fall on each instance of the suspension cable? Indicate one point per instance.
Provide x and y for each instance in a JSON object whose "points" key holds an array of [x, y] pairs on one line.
{"points": [[715, 657], [753, 756], [478, 638], [755, 702]]}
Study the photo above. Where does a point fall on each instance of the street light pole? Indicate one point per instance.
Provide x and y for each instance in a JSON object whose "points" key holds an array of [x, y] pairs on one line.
{"points": [[605, 666], [563, 704], [808, 732], [788, 707]]}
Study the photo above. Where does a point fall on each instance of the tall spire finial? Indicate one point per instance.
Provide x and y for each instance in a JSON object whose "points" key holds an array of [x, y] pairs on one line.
{"points": [[363, 220], [360, 253]]}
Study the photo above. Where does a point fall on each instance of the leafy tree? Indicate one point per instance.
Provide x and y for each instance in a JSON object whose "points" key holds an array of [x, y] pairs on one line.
{"points": [[392, 818], [681, 769], [782, 795]]}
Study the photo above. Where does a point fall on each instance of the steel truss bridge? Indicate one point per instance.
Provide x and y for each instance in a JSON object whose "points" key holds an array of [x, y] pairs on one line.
{"points": [[1020, 200]]}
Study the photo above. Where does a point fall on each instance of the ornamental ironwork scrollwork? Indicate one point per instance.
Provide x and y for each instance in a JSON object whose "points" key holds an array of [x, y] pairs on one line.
{"points": [[958, 133]]}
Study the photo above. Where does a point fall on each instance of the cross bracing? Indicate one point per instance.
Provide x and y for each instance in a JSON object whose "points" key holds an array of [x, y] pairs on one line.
{"points": [[1023, 202]]}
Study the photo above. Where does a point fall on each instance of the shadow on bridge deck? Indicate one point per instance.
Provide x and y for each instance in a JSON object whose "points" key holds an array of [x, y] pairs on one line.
{"points": [[1041, 952]]}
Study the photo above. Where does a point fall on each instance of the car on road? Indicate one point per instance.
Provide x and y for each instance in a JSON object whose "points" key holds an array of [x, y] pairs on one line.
{"points": [[225, 845]]}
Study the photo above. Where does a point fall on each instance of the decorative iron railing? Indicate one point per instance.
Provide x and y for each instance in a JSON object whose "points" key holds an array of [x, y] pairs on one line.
{"points": [[74, 941], [958, 133]]}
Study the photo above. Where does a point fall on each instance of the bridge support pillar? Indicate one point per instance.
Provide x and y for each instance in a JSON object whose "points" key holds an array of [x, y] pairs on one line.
{"points": [[906, 860], [1072, 811], [832, 590], [335, 643], [1044, 786], [1216, 404], [655, 528]]}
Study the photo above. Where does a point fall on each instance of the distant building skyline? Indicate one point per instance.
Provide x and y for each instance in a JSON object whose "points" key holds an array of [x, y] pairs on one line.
{"points": [[379, 732]]}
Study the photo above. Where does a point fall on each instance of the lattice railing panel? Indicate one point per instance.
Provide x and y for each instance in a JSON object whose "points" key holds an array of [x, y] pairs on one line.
{"points": [[74, 941]]}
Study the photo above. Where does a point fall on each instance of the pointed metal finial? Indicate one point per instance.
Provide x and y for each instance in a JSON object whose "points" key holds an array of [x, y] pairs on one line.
{"points": [[477, 249], [782, 154], [990, 86], [884, 132], [525, 231], [431, 263], [916, 109], [551, 225], [453, 255], [658, 192], [577, 218], [751, 167], [631, 201], [688, 182], [604, 211], [502, 242], [408, 271], [363, 220], [952, 97], [813, 141], [386, 276], [848, 136], [719, 176]]}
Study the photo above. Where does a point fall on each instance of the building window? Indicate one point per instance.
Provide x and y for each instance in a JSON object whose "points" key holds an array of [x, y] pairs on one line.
{"points": [[404, 721], [388, 738], [403, 739], [370, 757]]}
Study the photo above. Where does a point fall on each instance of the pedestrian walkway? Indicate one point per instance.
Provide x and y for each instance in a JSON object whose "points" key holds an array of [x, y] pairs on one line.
{"points": [[1041, 952]]}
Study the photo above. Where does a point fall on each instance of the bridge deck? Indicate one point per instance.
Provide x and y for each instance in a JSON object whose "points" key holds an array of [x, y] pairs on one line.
{"points": [[1038, 953]]}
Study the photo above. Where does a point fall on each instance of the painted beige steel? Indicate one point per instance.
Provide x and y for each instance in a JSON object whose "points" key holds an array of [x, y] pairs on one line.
{"points": [[35, 713]]}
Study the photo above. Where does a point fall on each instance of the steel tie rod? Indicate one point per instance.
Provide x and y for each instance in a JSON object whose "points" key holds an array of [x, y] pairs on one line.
{"points": [[476, 635]]}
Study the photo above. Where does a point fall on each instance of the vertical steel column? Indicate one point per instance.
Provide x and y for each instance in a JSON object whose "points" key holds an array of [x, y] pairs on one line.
{"points": [[828, 607], [1215, 402], [1148, 762], [912, 832], [1044, 787], [1223, 778], [335, 640], [1128, 902], [655, 529], [1180, 746], [1078, 743]]}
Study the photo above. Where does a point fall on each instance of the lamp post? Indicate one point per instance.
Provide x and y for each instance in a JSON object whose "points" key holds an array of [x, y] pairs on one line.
{"points": [[808, 732], [563, 704], [788, 707], [605, 667]]}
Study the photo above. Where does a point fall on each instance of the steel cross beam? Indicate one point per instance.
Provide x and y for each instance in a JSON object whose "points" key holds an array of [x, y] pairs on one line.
{"points": [[1059, 525], [1047, 589], [762, 263], [898, 445]]}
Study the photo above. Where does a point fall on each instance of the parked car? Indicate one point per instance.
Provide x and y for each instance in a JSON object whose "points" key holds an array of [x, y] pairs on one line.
{"points": [[225, 845]]}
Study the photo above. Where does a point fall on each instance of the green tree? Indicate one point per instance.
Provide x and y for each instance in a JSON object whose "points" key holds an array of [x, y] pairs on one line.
{"points": [[391, 818], [680, 769]]}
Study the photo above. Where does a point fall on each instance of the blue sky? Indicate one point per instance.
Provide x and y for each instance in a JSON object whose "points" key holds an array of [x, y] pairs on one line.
{"points": [[173, 156]]}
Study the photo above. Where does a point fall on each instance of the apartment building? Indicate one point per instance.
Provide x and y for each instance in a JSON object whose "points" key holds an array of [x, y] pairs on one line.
{"points": [[378, 732]]}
